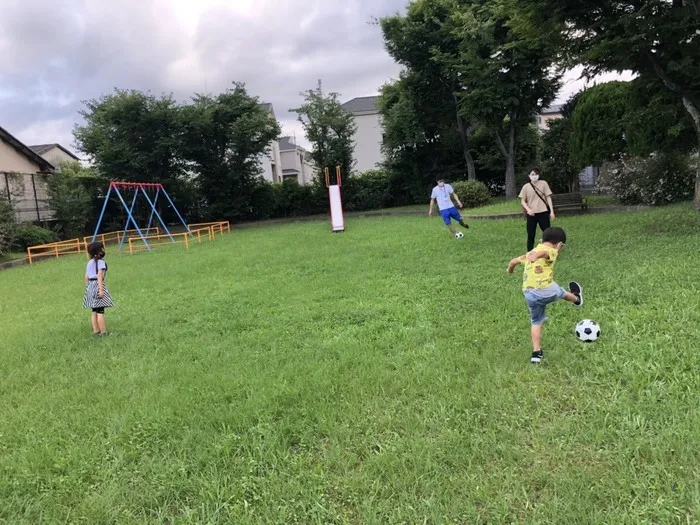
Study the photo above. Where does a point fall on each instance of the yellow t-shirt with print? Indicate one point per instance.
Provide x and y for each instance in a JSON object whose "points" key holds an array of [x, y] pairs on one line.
{"points": [[539, 274]]}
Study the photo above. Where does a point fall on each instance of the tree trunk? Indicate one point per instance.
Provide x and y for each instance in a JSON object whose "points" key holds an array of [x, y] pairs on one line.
{"points": [[509, 154], [511, 191], [695, 114], [464, 139]]}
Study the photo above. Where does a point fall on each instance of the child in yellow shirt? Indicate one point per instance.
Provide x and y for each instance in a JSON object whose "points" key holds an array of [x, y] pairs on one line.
{"points": [[539, 287]]}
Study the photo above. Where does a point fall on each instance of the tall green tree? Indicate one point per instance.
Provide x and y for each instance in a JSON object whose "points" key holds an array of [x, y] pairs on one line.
{"points": [[656, 120], [223, 139], [329, 128], [416, 41], [70, 200], [598, 124], [132, 136], [656, 39], [561, 172], [419, 142], [506, 71]]}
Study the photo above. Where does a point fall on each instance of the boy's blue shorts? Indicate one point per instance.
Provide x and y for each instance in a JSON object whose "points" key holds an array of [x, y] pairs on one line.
{"points": [[538, 299], [449, 214]]}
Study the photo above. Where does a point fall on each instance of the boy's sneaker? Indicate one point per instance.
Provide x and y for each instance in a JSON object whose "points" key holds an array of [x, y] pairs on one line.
{"points": [[537, 357], [576, 289]]}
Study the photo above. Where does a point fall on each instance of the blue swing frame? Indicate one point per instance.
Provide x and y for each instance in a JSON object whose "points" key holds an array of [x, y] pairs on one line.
{"points": [[140, 188]]}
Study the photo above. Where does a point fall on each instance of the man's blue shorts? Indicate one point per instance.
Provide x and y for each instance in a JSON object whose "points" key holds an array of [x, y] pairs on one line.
{"points": [[449, 214]]}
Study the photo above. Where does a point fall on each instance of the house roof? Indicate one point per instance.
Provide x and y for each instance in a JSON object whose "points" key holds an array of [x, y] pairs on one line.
{"points": [[362, 105], [21, 148], [43, 148], [286, 144], [554, 108]]}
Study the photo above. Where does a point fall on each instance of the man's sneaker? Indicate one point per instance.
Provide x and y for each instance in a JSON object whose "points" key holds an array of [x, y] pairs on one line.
{"points": [[464, 225], [576, 289], [537, 357]]}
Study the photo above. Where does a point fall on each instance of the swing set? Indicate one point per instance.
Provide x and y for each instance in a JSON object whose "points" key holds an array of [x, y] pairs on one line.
{"points": [[139, 238], [141, 188]]}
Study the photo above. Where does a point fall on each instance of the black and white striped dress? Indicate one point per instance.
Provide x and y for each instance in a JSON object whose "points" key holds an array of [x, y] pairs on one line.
{"points": [[92, 289]]}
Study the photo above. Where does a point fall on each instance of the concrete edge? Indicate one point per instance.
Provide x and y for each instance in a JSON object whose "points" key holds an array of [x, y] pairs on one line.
{"points": [[13, 264]]}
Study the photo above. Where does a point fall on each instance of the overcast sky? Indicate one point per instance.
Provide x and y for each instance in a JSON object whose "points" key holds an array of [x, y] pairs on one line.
{"points": [[53, 55]]}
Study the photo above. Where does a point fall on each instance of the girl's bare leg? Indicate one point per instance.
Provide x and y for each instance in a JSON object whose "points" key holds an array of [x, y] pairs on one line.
{"points": [[101, 327]]}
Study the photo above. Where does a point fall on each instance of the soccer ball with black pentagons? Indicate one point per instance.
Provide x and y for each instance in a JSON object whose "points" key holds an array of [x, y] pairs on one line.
{"points": [[587, 331], [459, 235]]}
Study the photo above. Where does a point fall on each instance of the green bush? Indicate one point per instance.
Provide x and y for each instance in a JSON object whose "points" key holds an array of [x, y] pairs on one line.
{"points": [[472, 193], [71, 204], [7, 225], [26, 236], [367, 191], [294, 200], [656, 180]]}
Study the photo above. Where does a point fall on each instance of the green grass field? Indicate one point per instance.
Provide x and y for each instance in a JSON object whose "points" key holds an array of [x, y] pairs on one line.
{"points": [[290, 375], [499, 205]]}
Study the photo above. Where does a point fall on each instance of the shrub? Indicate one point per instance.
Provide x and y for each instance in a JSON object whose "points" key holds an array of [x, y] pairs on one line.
{"points": [[71, 204], [656, 180], [262, 202], [367, 191], [472, 193], [7, 224], [26, 236], [294, 200]]}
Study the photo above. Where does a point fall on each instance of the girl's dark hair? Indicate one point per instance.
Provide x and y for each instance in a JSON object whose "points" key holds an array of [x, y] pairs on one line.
{"points": [[94, 249], [554, 235], [536, 170]]}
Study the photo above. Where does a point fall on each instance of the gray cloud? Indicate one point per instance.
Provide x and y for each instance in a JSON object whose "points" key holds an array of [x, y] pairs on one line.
{"points": [[54, 56]]}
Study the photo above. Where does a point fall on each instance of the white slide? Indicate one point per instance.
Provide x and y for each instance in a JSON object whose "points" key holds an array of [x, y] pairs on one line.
{"points": [[337, 221]]}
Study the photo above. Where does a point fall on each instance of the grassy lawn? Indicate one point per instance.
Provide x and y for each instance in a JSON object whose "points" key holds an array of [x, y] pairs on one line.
{"points": [[500, 205], [382, 375]]}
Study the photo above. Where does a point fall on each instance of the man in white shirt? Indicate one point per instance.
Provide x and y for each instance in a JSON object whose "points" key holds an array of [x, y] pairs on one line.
{"points": [[442, 193]]}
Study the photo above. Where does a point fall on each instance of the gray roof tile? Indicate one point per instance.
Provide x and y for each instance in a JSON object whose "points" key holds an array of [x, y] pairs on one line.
{"points": [[362, 105]]}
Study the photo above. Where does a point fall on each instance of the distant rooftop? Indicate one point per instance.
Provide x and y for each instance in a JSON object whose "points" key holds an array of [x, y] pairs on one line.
{"points": [[554, 108], [362, 105], [40, 149], [286, 144]]}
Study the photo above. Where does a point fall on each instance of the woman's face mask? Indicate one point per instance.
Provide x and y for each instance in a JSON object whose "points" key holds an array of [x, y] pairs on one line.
{"points": [[101, 254], [534, 177]]}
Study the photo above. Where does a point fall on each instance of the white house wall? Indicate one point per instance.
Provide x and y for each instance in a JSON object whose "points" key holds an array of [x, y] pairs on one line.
{"points": [[266, 166], [368, 142]]}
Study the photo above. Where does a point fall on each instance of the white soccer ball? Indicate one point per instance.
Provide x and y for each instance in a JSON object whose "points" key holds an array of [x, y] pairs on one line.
{"points": [[587, 331], [459, 235]]}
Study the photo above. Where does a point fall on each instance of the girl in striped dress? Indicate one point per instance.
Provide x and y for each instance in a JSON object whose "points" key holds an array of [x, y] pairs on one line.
{"points": [[97, 295]]}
